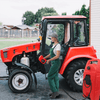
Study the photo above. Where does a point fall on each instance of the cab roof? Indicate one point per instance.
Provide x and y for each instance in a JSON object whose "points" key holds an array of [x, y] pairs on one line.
{"points": [[64, 17]]}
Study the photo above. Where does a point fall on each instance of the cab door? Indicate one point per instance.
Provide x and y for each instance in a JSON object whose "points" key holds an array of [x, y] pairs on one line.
{"points": [[52, 28]]}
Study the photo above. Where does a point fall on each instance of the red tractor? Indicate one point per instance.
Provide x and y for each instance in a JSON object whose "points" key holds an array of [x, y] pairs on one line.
{"points": [[22, 61]]}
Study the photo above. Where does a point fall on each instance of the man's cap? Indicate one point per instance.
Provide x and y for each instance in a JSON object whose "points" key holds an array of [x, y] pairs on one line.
{"points": [[54, 35]]}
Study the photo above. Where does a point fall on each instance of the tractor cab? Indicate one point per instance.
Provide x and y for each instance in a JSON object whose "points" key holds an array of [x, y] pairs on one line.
{"points": [[71, 32]]}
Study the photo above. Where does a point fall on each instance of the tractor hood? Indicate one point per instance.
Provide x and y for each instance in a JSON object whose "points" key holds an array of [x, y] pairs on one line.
{"points": [[7, 54]]}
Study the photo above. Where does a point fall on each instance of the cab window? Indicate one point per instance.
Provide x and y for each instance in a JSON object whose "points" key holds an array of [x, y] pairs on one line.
{"points": [[79, 34]]}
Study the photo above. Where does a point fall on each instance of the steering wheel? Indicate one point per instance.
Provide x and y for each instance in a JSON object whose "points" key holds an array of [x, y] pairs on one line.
{"points": [[76, 40], [64, 45], [66, 42]]}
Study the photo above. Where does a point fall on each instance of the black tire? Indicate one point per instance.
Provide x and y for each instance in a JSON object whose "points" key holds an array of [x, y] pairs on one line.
{"points": [[12, 83], [75, 68]]}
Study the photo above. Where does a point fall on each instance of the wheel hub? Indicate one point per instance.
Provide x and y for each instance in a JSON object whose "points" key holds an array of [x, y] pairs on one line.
{"points": [[78, 76], [20, 81]]}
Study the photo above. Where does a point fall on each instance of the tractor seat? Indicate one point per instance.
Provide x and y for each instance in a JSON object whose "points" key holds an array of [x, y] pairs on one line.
{"points": [[63, 52]]}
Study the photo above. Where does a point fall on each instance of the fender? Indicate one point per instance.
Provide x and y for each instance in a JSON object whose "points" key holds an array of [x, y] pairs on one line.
{"points": [[67, 61], [25, 66]]}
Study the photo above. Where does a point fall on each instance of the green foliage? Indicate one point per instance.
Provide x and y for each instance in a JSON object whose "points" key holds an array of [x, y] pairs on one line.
{"points": [[60, 32], [50, 14], [0, 23], [44, 12], [59, 29], [64, 13], [84, 12], [77, 13], [30, 17]]}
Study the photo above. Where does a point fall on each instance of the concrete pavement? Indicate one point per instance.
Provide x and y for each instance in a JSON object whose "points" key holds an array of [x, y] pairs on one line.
{"points": [[41, 93]]}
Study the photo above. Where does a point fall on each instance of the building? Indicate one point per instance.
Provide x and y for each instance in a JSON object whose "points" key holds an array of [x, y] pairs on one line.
{"points": [[95, 25], [9, 31]]}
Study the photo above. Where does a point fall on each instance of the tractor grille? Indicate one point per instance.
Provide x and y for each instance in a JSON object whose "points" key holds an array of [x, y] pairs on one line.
{"points": [[5, 54]]}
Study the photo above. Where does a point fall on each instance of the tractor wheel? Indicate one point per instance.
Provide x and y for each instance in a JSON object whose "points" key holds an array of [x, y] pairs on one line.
{"points": [[20, 81], [74, 75]]}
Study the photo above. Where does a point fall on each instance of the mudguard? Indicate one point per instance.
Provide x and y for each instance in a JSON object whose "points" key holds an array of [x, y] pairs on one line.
{"points": [[77, 53], [25, 66]]}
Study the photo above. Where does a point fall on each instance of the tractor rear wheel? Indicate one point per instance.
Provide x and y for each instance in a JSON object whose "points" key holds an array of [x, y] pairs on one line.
{"points": [[74, 75], [20, 81]]}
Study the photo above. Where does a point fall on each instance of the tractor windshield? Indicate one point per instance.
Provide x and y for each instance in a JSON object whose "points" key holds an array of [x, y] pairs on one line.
{"points": [[79, 33], [53, 28]]}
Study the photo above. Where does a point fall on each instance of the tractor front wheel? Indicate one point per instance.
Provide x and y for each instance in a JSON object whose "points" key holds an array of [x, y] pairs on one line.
{"points": [[74, 75], [20, 81]]}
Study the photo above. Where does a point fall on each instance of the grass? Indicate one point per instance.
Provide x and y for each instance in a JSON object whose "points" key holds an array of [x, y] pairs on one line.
{"points": [[7, 42], [4, 44], [18, 38]]}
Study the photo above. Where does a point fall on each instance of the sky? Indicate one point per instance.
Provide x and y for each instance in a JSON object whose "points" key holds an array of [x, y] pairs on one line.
{"points": [[11, 11]]}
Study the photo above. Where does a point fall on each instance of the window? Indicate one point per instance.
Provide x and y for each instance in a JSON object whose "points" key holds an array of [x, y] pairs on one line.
{"points": [[55, 28], [79, 36], [67, 32]]}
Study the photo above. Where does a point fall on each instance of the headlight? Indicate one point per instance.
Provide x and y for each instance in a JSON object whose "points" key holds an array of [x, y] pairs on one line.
{"points": [[5, 54]]}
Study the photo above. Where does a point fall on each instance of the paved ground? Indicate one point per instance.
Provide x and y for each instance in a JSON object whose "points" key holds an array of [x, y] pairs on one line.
{"points": [[40, 94]]}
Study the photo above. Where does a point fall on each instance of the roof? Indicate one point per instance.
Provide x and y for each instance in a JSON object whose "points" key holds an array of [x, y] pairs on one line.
{"points": [[24, 27], [4, 27], [63, 17], [9, 26]]}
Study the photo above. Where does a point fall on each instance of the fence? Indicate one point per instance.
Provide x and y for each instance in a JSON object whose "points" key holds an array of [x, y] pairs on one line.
{"points": [[17, 33]]}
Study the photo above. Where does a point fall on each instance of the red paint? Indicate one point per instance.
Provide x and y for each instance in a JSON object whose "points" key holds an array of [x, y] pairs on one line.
{"points": [[94, 74], [78, 52], [62, 17], [18, 50]]}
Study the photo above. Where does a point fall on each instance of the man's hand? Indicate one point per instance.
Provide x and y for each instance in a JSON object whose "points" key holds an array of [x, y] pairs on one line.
{"points": [[48, 61]]}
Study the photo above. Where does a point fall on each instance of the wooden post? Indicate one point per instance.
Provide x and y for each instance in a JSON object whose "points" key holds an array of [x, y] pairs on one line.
{"points": [[3, 32], [8, 33], [22, 33], [30, 33]]}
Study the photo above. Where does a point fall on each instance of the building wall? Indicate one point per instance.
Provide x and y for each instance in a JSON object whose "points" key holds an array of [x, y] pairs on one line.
{"points": [[95, 25]]}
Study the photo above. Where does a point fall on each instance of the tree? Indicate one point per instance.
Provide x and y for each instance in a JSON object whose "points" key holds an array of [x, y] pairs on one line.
{"points": [[84, 12], [64, 13], [30, 17], [0, 23], [60, 32], [50, 14], [77, 12], [44, 12]]}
